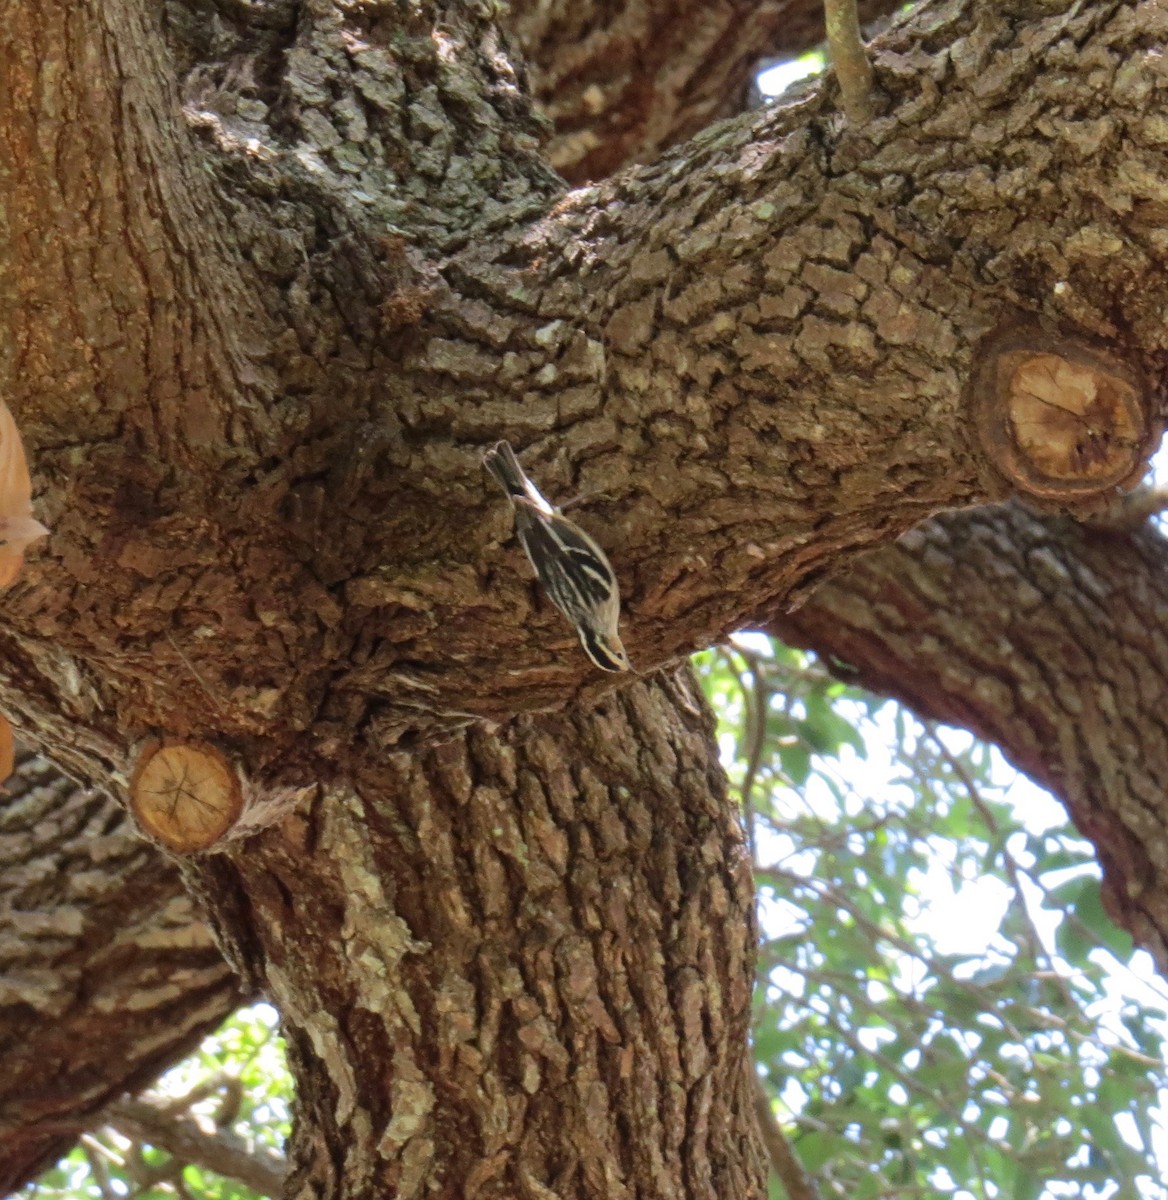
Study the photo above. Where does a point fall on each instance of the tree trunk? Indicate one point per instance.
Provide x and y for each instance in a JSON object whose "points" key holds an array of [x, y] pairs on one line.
{"points": [[518, 964], [298, 567]]}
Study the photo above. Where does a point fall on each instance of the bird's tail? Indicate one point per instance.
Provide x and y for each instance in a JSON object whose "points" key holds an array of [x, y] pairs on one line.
{"points": [[500, 460]]}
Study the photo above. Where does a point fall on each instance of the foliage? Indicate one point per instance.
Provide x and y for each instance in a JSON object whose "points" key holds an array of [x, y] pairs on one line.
{"points": [[237, 1080], [934, 1014]]}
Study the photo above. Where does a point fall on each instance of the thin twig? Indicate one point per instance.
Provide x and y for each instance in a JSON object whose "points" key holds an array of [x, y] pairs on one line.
{"points": [[784, 1161], [190, 666], [97, 1168], [848, 56], [757, 703], [1013, 875]]}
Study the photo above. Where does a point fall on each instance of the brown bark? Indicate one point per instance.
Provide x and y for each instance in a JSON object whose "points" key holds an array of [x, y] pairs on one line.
{"points": [[107, 975], [515, 965], [752, 360], [256, 342], [1044, 637], [622, 80]]}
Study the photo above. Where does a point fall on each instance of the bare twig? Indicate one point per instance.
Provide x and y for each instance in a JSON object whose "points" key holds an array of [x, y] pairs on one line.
{"points": [[262, 1170], [757, 703], [1129, 512], [784, 1161], [852, 68], [1013, 874], [93, 1156]]}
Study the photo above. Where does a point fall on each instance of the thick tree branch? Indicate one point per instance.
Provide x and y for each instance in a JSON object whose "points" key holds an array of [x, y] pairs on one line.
{"points": [[752, 358], [107, 975], [1043, 637], [622, 80], [130, 345]]}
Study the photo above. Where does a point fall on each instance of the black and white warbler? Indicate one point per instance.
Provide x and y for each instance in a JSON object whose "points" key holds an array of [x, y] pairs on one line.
{"points": [[573, 569]]}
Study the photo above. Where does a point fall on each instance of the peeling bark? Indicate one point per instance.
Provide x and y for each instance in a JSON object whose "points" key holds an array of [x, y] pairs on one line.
{"points": [[107, 974]]}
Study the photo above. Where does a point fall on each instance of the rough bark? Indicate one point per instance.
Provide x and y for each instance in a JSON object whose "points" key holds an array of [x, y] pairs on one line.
{"points": [[516, 965], [1046, 638], [917, 621], [750, 355], [622, 80], [265, 300], [107, 974]]}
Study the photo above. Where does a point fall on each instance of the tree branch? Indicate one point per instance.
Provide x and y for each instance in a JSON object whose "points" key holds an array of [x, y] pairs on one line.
{"points": [[260, 1168], [93, 924], [797, 1184], [755, 319], [852, 68], [622, 82], [1040, 636]]}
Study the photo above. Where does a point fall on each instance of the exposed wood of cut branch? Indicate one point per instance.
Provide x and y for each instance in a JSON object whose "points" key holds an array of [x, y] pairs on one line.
{"points": [[186, 794], [1061, 417], [848, 56], [7, 749], [18, 527]]}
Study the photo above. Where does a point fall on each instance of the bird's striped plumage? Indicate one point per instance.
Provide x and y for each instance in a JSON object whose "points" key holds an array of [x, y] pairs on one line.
{"points": [[573, 569]]}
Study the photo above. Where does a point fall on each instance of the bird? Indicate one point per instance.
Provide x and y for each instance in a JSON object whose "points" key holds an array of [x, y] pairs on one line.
{"points": [[574, 571]]}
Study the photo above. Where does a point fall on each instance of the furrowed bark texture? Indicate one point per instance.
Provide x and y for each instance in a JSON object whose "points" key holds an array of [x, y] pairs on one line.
{"points": [[750, 357], [1045, 637], [107, 975], [516, 965], [622, 80], [950, 622], [274, 279]]}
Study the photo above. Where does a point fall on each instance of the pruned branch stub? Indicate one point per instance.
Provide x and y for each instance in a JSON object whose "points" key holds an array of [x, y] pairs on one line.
{"points": [[186, 794], [1060, 419]]}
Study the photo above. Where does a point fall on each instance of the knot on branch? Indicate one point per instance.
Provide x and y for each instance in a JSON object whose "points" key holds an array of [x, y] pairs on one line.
{"points": [[1062, 420]]}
